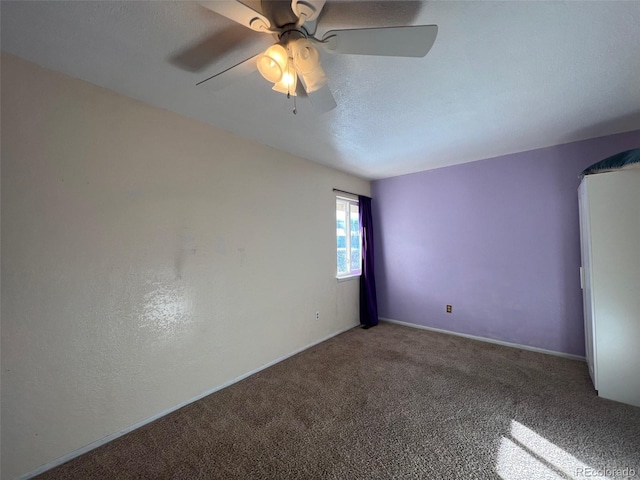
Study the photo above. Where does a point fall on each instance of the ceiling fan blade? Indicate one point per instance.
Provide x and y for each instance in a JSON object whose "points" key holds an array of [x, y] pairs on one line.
{"points": [[310, 9], [322, 100], [300, 91], [359, 13], [231, 74], [199, 55], [240, 13], [411, 41]]}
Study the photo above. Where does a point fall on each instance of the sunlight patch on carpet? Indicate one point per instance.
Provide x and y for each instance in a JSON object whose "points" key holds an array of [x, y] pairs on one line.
{"points": [[526, 455]]}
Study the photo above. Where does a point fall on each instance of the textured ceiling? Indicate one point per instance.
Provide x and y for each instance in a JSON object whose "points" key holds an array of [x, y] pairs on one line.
{"points": [[502, 77]]}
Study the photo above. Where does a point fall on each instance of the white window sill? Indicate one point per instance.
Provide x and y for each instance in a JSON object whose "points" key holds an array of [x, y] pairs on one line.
{"points": [[346, 279]]}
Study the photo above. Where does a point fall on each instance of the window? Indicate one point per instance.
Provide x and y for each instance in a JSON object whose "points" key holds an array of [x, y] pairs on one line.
{"points": [[348, 237]]}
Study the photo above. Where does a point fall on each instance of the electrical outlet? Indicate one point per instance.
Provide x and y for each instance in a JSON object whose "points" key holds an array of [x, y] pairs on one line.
{"points": [[317, 315], [449, 308]]}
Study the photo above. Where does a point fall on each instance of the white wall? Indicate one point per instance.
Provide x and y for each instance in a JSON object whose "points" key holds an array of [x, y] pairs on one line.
{"points": [[147, 258]]}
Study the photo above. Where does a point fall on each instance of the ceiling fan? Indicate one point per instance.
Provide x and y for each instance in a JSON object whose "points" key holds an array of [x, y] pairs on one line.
{"points": [[295, 55]]}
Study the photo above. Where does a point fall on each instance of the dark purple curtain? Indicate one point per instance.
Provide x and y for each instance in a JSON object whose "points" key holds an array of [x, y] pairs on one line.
{"points": [[368, 300]]}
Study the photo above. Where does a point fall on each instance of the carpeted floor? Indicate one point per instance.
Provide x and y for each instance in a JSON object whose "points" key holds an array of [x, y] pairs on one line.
{"points": [[389, 402]]}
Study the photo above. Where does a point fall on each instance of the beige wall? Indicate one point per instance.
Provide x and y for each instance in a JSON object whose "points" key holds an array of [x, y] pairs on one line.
{"points": [[146, 259]]}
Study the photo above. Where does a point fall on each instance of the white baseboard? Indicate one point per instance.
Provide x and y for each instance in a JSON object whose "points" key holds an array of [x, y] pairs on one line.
{"points": [[488, 340], [113, 436]]}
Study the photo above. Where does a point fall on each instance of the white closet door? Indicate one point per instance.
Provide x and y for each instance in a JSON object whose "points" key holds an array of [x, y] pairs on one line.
{"points": [[614, 225], [585, 281]]}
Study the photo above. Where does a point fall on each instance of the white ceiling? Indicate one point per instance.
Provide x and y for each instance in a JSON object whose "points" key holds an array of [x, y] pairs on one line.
{"points": [[502, 77]]}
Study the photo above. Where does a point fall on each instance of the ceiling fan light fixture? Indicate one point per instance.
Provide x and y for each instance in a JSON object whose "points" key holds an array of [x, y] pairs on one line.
{"points": [[272, 64], [296, 53]]}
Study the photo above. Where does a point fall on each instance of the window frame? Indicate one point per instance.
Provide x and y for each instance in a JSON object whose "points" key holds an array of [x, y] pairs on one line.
{"points": [[349, 201]]}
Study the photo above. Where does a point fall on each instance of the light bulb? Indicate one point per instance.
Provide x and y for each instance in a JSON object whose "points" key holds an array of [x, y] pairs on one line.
{"points": [[273, 62], [289, 80]]}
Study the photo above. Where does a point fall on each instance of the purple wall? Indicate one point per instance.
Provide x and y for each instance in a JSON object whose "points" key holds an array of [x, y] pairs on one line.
{"points": [[498, 239]]}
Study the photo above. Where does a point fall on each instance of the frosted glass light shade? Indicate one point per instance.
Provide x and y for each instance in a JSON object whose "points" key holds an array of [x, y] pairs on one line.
{"points": [[305, 56], [306, 59], [273, 63], [314, 80]]}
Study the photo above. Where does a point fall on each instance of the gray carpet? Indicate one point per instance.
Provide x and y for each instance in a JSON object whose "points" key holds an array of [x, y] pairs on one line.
{"points": [[389, 402]]}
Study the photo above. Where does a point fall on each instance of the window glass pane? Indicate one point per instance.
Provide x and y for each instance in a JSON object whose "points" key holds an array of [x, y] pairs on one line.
{"points": [[341, 237], [355, 238]]}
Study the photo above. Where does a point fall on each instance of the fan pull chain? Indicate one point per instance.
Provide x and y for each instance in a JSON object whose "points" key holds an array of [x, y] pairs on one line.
{"points": [[295, 109]]}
